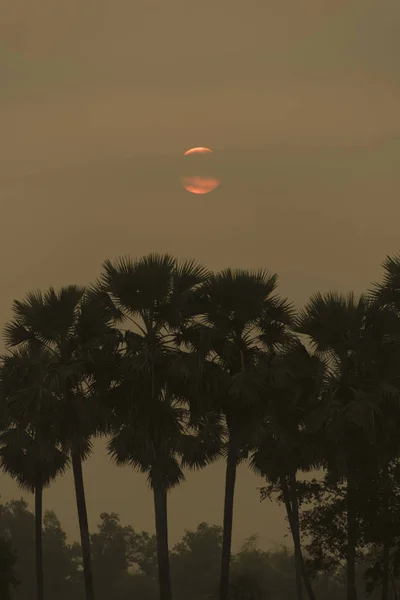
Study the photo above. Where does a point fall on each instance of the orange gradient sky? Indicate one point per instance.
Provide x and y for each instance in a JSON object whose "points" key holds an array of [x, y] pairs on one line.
{"points": [[299, 102]]}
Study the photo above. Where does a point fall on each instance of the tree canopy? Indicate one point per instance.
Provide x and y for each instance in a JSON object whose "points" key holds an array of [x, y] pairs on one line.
{"points": [[178, 366]]}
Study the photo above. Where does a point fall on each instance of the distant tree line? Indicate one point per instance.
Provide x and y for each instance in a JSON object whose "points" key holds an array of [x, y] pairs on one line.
{"points": [[178, 367], [125, 562]]}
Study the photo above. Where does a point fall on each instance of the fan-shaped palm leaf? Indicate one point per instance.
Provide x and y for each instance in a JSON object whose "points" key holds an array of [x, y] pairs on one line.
{"points": [[70, 324], [245, 315], [156, 294]]}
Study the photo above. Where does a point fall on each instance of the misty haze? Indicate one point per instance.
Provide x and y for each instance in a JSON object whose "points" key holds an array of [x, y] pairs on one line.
{"points": [[199, 392]]}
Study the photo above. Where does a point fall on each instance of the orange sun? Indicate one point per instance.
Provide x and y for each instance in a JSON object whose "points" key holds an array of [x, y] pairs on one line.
{"points": [[197, 150], [199, 183]]}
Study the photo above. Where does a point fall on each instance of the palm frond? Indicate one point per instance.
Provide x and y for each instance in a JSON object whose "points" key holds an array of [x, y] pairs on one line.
{"points": [[387, 292], [31, 458], [48, 316]]}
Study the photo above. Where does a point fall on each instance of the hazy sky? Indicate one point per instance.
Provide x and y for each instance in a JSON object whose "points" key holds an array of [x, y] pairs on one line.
{"points": [[99, 100]]}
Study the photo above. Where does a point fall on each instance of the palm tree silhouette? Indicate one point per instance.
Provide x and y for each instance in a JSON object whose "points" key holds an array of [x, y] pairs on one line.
{"points": [[151, 426], [387, 294], [285, 446], [179, 366], [28, 450], [241, 314], [357, 337], [70, 324]]}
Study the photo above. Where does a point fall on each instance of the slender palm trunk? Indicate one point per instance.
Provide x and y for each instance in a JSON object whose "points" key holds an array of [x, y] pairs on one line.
{"points": [[386, 570], [292, 511], [38, 540], [83, 525], [387, 541], [287, 496], [230, 480], [161, 517], [394, 587], [351, 590], [296, 538], [307, 582]]}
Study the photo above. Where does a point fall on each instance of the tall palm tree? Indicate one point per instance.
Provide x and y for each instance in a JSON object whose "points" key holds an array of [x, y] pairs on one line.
{"points": [[157, 439], [70, 324], [387, 294], [155, 297], [28, 450], [27, 456], [242, 314], [284, 446], [358, 338]]}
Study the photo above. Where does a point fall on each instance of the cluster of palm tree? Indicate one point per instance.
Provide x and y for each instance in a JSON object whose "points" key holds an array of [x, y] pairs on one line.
{"points": [[178, 366]]}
